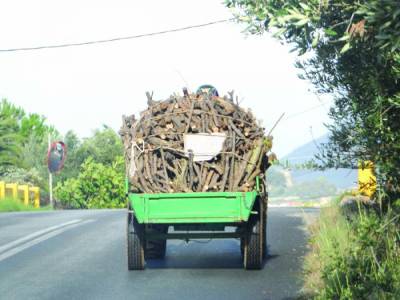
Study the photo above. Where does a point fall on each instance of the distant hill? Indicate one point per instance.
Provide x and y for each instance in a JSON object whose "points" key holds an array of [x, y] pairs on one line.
{"points": [[341, 178], [306, 152]]}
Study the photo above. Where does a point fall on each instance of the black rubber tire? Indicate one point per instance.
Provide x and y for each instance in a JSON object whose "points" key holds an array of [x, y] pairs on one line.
{"points": [[242, 245], [156, 249], [135, 243], [264, 233], [264, 238], [253, 254]]}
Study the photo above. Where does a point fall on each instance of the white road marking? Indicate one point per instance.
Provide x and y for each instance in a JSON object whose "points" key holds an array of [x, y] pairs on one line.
{"points": [[36, 234], [49, 233]]}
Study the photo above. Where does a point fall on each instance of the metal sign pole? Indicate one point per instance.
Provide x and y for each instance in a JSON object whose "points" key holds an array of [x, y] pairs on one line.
{"points": [[50, 177]]}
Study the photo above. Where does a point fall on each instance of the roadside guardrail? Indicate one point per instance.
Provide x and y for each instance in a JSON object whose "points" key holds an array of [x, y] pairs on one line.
{"points": [[27, 194]]}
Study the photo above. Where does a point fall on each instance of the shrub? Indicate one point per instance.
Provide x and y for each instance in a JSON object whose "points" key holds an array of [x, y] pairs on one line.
{"points": [[21, 176], [97, 186], [69, 194], [355, 259]]}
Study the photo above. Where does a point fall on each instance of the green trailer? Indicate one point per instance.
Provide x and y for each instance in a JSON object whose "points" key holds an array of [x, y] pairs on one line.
{"points": [[155, 218]]}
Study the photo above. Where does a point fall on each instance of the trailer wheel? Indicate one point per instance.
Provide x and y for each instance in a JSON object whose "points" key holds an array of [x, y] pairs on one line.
{"points": [[253, 253], [156, 248], [242, 245], [135, 242], [264, 234]]}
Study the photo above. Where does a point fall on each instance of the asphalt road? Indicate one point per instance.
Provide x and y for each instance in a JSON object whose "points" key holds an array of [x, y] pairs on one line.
{"points": [[82, 255]]}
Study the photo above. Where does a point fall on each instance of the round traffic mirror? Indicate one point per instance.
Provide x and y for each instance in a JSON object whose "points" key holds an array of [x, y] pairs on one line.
{"points": [[56, 156]]}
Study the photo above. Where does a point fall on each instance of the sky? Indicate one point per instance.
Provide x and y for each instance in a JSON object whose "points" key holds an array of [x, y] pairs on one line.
{"points": [[82, 88]]}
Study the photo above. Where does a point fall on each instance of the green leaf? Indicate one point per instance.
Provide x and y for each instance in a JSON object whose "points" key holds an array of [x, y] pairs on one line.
{"points": [[330, 32], [396, 13], [293, 17], [293, 10], [385, 45], [385, 25], [383, 36], [301, 22], [315, 40], [304, 6], [345, 48], [244, 18], [346, 37]]}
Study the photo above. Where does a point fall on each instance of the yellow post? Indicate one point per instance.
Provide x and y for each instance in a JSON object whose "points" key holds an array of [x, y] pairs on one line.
{"points": [[14, 189], [366, 179], [2, 190], [25, 191], [36, 197]]}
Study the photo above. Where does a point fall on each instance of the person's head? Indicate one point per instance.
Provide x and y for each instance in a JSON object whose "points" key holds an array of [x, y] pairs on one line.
{"points": [[59, 147], [207, 89]]}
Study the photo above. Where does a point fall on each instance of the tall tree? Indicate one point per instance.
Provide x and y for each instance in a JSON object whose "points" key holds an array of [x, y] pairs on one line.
{"points": [[104, 146], [27, 124], [353, 53], [9, 141], [74, 157], [23, 145]]}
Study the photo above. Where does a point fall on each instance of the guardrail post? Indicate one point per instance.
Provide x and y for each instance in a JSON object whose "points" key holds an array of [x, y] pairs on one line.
{"points": [[2, 190], [25, 190], [36, 197], [14, 189], [366, 178]]}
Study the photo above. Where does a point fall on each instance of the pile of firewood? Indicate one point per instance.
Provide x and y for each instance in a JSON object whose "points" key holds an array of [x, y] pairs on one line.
{"points": [[154, 146]]}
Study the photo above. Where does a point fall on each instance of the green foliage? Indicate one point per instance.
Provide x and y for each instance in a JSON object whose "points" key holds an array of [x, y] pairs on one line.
{"points": [[354, 54], [357, 258], [96, 186], [74, 159], [104, 146], [34, 153], [10, 111], [26, 124], [18, 130], [329, 238], [69, 194], [14, 174], [34, 124], [103, 186], [9, 204], [23, 149], [9, 140]]}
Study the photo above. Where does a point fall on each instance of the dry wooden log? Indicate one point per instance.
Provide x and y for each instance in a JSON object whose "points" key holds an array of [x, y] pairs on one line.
{"points": [[232, 168], [158, 140], [206, 185]]}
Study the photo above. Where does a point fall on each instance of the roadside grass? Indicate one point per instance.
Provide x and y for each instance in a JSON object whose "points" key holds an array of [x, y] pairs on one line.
{"points": [[353, 257], [329, 237], [10, 205]]}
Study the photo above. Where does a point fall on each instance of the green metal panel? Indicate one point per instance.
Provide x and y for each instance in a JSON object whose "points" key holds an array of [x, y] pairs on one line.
{"points": [[213, 207]]}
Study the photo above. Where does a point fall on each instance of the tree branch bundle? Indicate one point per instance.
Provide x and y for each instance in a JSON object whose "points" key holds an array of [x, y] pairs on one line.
{"points": [[154, 146]]}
